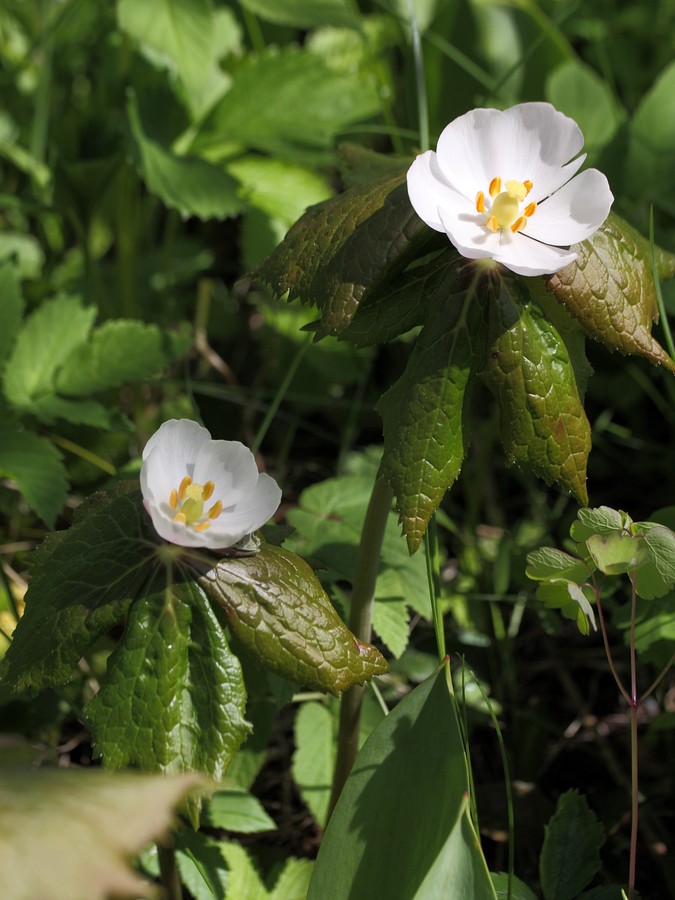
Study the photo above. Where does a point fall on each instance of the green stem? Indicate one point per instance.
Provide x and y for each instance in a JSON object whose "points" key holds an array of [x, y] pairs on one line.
{"points": [[280, 394], [434, 579], [83, 453], [360, 621], [168, 871], [634, 708], [420, 80]]}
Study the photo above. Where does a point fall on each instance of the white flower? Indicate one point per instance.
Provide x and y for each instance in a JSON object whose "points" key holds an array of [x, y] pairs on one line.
{"points": [[203, 493], [500, 186]]}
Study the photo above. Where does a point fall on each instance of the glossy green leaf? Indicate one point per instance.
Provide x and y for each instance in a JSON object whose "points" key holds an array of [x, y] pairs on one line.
{"points": [[46, 339], [304, 13], [542, 422], [119, 352], [340, 248], [261, 108], [69, 834], [11, 308], [423, 413], [189, 184], [82, 583], [35, 465], [277, 608], [173, 697], [314, 757], [570, 856], [610, 290], [615, 554], [412, 769], [178, 31], [549, 564]]}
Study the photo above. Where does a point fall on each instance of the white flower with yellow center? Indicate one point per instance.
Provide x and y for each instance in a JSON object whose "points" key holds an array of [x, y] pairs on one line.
{"points": [[203, 493], [501, 186]]}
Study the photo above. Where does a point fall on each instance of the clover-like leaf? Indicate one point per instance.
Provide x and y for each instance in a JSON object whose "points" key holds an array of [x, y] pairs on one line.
{"points": [[598, 520], [69, 834], [423, 412], [573, 600], [543, 425], [341, 247], [615, 554], [277, 608], [82, 583], [610, 289], [549, 564], [656, 577], [173, 697]]}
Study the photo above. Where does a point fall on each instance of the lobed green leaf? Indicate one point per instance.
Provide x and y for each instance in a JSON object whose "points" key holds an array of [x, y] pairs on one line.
{"points": [[543, 425], [35, 465], [278, 609], [548, 564], [423, 412], [610, 290], [570, 856], [598, 520]]}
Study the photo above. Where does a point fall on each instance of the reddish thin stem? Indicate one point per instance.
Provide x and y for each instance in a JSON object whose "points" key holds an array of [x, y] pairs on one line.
{"points": [[610, 658]]}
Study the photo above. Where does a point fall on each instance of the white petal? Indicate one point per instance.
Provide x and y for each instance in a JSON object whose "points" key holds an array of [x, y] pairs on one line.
{"points": [[170, 531], [574, 212], [468, 234], [527, 257], [230, 466], [428, 189], [174, 447], [255, 509]]}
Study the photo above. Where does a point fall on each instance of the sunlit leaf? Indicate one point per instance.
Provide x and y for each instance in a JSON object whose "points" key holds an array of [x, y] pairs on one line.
{"points": [[69, 834], [234, 809], [599, 520], [610, 290], [549, 564], [615, 554], [304, 13], [35, 465], [578, 91], [314, 757]]}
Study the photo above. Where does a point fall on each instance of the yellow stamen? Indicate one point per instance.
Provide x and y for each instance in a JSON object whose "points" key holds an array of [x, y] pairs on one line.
{"points": [[495, 187], [216, 510], [519, 224], [203, 526], [492, 223], [173, 499], [529, 209], [528, 186], [480, 202], [179, 519], [185, 483], [207, 490]]}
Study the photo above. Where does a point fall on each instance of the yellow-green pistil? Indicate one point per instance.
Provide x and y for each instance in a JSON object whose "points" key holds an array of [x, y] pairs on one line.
{"points": [[189, 500], [505, 211]]}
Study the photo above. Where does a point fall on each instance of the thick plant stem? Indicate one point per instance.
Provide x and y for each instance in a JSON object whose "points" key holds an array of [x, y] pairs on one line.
{"points": [[168, 870], [360, 621]]}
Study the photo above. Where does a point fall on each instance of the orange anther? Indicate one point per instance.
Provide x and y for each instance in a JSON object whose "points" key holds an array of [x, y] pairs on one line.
{"points": [[519, 224], [184, 485], [207, 490], [203, 526], [173, 499], [480, 202], [529, 209], [492, 223], [179, 519], [216, 510], [495, 187], [528, 186]]}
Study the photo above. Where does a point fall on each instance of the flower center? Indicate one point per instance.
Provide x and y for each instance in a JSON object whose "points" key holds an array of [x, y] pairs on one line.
{"points": [[504, 209], [189, 500]]}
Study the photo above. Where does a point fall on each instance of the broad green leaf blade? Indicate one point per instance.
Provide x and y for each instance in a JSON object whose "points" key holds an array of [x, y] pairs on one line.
{"points": [[305, 13], [340, 248], [35, 464], [234, 809], [656, 577], [119, 352], [391, 621], [278, 609], [51, 407], [548, 564], [47, 338], [520, 891], [649, 162], [11, 307], [243, 879], [69, 834], [610, 290], [314, 757], [615, 554], [201, 865], [189, 184], [412, 770], [261, 109], [181, 31], [578, 91], [598, 520], [572, 600], [570, 856], [543, 425], [423, 412], [399, 303], [173, 698], [293, 883], [82, 582]]}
